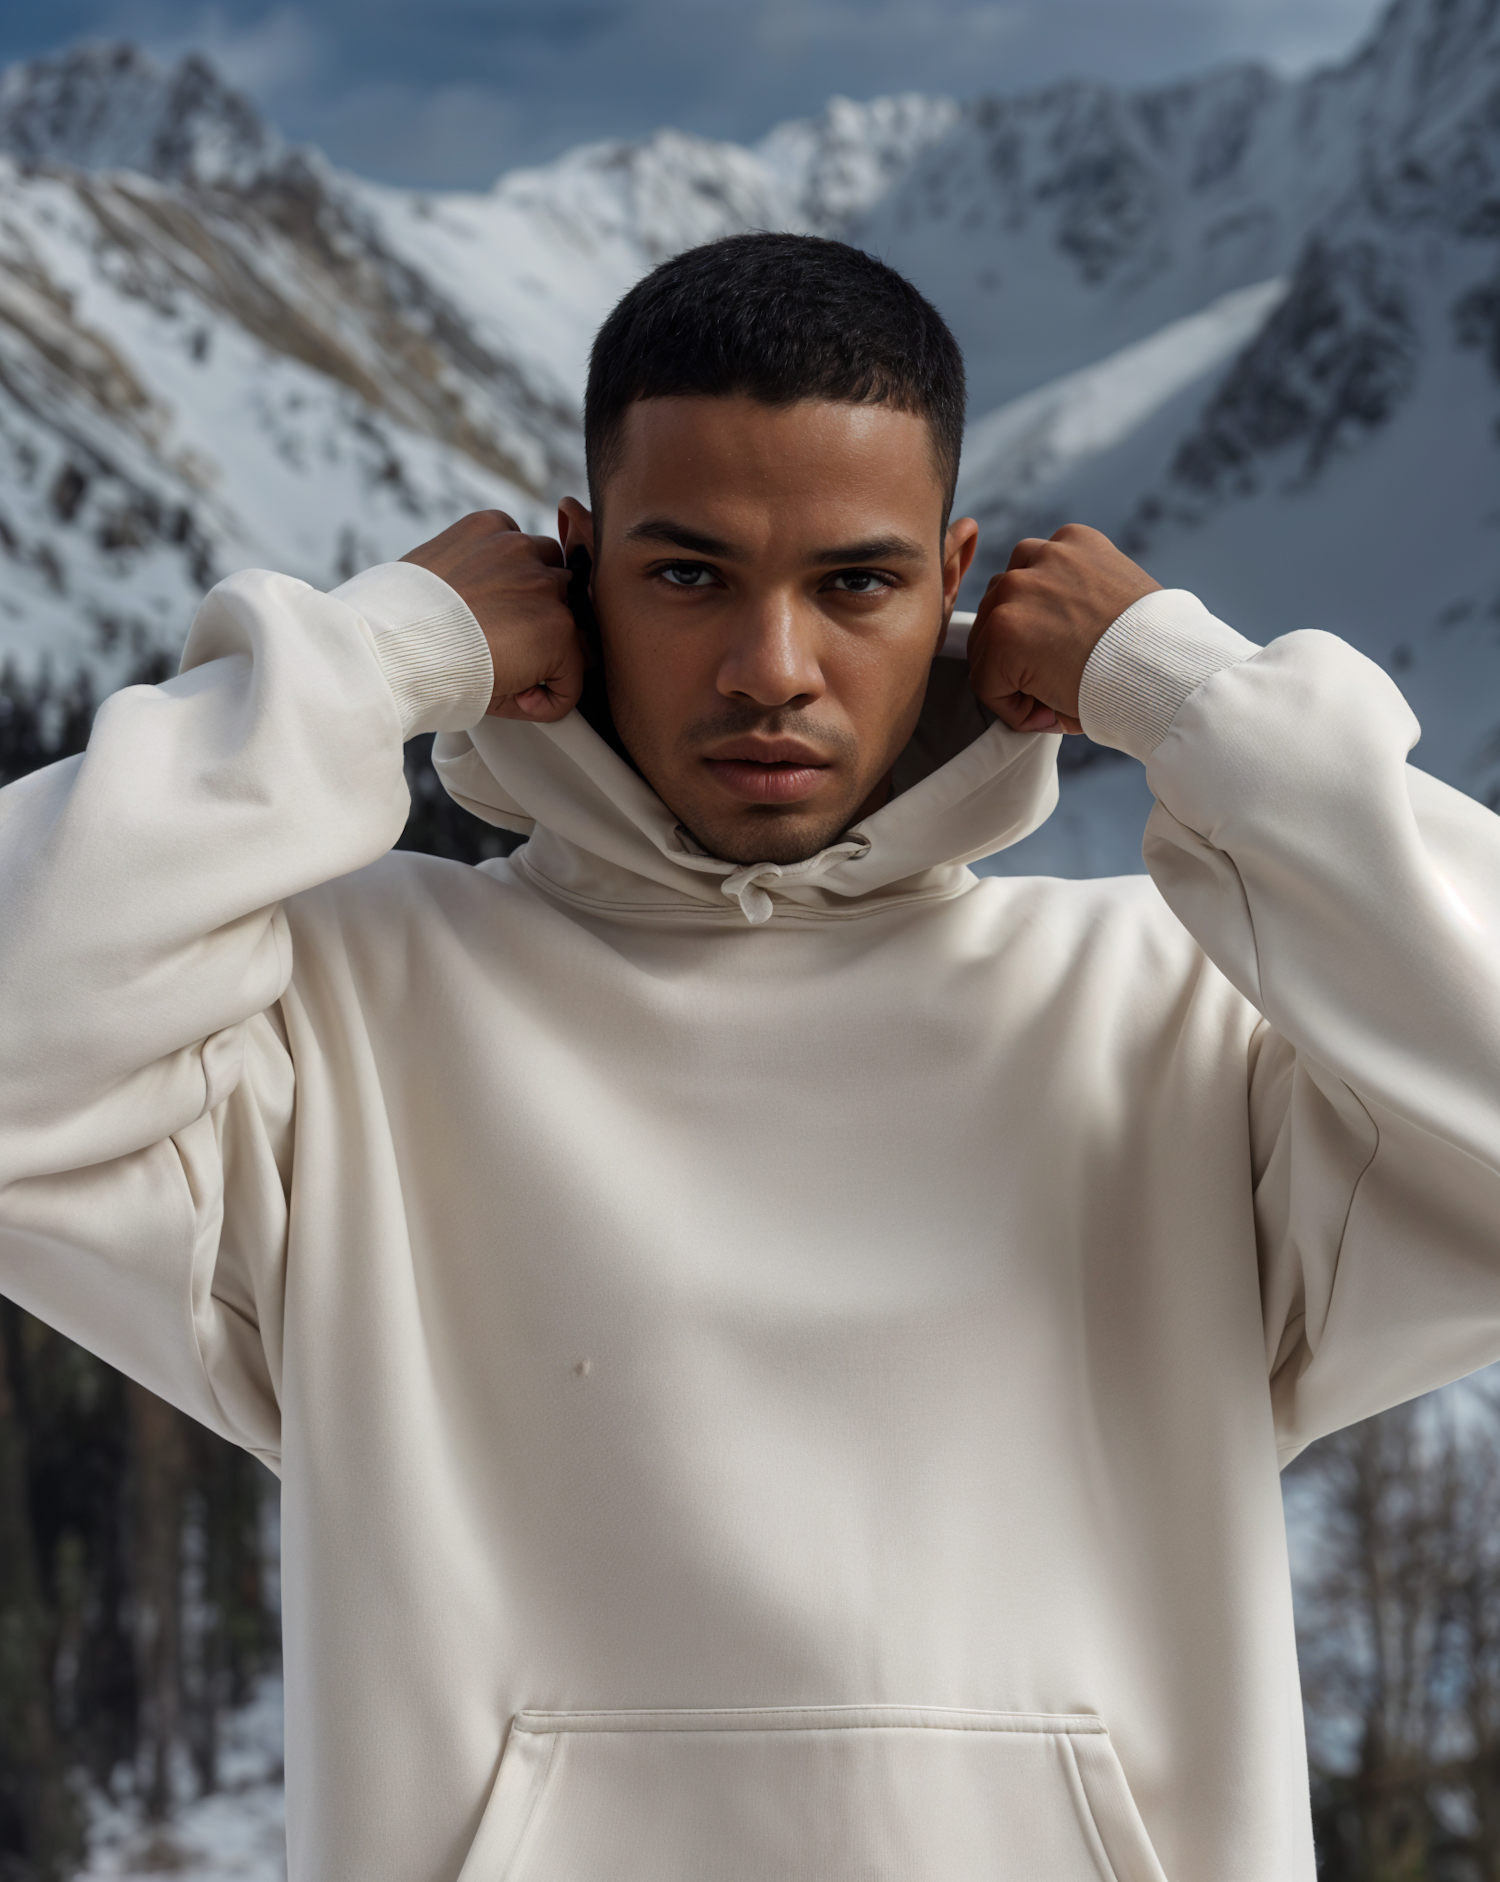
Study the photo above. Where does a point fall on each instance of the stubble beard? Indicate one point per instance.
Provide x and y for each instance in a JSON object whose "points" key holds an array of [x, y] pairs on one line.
{"points": [[757, 833], [769, 837]]}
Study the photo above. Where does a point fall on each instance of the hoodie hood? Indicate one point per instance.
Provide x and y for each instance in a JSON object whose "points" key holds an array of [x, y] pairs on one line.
{"points": [[599, 836]]}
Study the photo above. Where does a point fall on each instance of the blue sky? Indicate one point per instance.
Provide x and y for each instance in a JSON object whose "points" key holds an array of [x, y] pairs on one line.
{"points": [[450, 92]]}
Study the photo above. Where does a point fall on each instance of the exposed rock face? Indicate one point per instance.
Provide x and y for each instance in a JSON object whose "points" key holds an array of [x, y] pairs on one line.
{"points": [[109, 107], [1476, 320], [1369, 301], [1332, 363]]}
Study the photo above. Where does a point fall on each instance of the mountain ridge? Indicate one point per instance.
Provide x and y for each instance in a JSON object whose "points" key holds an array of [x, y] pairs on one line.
{"points": [[216, 347], [108, 106]]}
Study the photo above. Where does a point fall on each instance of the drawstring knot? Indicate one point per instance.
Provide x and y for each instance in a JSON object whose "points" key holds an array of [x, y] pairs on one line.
{"points": [[747, 885], [743, 885]]}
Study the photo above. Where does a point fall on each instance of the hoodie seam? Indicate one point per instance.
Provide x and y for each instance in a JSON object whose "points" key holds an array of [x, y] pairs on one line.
{"points": [[729, 916]]}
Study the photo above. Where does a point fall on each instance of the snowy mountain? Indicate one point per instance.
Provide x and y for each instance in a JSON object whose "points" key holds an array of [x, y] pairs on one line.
{"points": [[216, 362], [1016, 457], [106, 108], [1332, 463], [217, 350], [1248, 324]]}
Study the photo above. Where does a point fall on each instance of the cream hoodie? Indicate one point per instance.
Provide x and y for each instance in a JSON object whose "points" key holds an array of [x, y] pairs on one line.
{"points": [[779, 1375]]}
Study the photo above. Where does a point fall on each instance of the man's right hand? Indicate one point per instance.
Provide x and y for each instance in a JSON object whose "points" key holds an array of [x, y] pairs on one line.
{"points": [[516, 587]]}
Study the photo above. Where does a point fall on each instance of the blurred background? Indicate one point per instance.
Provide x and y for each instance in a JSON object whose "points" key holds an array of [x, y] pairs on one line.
{"points": [[295, 285]]}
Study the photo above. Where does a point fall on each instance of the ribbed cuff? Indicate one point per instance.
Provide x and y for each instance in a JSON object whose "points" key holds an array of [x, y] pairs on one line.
{"points": [[434, 656], [1162, 648]]}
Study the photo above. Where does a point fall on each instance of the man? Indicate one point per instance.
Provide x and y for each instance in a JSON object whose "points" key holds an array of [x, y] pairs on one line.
{"points": [[778, 1350]]}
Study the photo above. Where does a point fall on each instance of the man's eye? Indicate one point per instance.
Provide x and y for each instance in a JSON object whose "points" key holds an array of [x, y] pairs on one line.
{"points": [[688, 575], [858, 581]]}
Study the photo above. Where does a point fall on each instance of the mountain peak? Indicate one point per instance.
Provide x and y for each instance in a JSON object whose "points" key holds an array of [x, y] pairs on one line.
{"points": [[110, 106], [838, 164]]}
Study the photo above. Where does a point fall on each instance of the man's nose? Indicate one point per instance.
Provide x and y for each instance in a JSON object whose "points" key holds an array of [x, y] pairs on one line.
{"points": [[773, 656]]}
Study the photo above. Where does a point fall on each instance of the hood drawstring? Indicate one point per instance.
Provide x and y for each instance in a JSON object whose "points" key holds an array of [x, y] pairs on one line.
{"points": [[745, 885]]}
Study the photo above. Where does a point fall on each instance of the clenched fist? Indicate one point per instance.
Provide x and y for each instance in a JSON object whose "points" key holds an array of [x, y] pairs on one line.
{"points": [[1039, 622], [517, 587]]}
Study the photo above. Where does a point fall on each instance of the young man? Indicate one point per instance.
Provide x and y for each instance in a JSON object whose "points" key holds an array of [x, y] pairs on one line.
{"points": [[778, 1350]]}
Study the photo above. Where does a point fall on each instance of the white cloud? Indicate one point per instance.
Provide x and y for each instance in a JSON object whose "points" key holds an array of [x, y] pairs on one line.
{"points": [[279, 53]]}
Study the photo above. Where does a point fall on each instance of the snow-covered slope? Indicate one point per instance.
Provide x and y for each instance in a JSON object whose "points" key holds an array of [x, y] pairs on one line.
{"points": [[153, 435], [537, 262], [837, 166], [1341, 468], [216, 350], [1055, 228], [1014, 458], [213, 360]]}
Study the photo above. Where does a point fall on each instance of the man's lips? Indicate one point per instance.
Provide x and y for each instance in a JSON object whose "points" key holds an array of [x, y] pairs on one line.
{"points": [[767, 771]]}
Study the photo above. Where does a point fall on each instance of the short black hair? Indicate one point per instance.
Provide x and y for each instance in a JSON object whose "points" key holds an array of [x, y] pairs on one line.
{"points": [[776, 318]]}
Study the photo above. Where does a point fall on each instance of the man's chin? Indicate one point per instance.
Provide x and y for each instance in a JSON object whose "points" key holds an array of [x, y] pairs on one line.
{"points": [[762, 837]]}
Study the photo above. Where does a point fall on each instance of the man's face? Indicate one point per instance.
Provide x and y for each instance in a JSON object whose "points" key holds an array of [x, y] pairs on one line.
{"points": [[771, 586]]}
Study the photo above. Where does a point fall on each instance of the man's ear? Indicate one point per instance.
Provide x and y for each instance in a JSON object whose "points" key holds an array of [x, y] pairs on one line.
{"points": [[958, 552], [959, 545], [575, 527]]}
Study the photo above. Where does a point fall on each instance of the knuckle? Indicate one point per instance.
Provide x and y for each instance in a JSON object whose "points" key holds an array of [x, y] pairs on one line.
{"points": [[483, 524]]}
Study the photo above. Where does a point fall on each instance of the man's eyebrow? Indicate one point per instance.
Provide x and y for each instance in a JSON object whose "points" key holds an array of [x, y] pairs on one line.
{"points": [[876, 549], [662, 529], [676, 535]]}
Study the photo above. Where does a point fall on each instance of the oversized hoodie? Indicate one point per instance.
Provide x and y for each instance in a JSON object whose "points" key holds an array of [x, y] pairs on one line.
{"points": [[778, 1374]]}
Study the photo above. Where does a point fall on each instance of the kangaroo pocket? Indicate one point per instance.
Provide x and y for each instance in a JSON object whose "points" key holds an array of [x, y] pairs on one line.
{"points": [[810, 1794]]}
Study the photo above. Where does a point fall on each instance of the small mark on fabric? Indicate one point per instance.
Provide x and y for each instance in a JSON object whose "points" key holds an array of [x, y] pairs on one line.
{"points": [[583, 1368]]}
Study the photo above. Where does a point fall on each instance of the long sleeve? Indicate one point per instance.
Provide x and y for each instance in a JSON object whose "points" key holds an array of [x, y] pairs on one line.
{"points": [[1355, 902], [146, 1089]]}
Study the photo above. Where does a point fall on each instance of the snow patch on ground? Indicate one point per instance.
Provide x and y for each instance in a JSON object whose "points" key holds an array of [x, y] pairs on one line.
{"points": [[236, 1834]]}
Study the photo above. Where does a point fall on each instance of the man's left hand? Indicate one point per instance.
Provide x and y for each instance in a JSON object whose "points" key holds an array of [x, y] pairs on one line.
{"points": [[1039, 622]]}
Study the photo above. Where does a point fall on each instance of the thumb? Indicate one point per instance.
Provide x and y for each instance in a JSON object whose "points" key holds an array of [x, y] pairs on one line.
{"points": [[1023, 712], [559, 691]]}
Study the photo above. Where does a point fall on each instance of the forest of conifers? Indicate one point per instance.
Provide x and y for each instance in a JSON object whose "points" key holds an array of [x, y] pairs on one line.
{"points": [[137, 1606]]}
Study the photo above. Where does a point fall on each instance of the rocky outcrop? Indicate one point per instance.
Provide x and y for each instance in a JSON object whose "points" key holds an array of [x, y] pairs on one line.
{"points": [[110, 107], [1332, 363]]}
